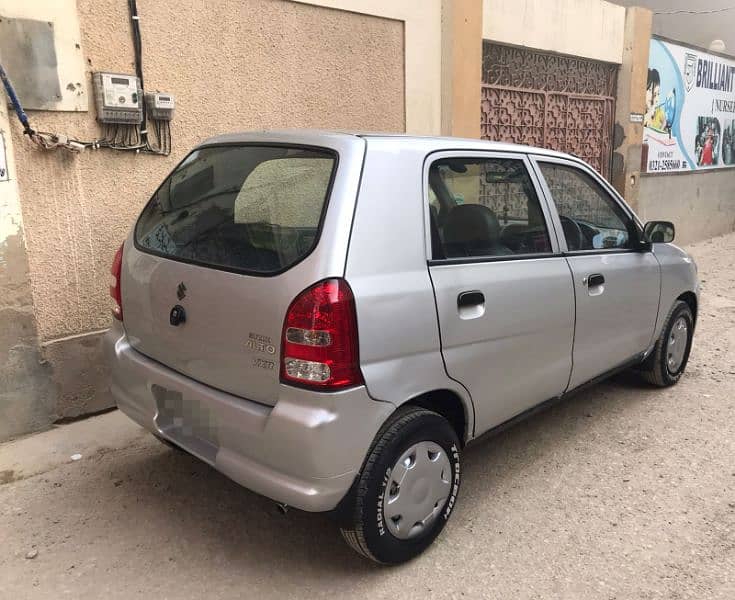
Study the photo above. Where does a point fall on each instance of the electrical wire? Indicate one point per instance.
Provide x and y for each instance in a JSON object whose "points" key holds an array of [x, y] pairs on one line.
{"points": [[10, 91], [138, 51], [161, 129], [119, 137], [694, 12]]}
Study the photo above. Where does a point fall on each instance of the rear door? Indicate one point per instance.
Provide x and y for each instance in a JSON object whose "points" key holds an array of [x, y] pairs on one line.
{"points": [[503, 291], [222, 242], [616, 284]]}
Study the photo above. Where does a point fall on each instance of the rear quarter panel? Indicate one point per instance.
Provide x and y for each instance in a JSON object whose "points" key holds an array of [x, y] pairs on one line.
{"points": [[400, 352]]}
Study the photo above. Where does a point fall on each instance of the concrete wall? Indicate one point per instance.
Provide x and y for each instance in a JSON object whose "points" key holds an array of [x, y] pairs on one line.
{"points": [[280, 64], [232, 66], [701, 205], [423, 49], [461, 67], [589, 28], [631, 100], [26, 399]]}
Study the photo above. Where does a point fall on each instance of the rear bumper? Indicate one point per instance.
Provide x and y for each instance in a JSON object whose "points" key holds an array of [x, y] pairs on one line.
{"points": [[305, 451]]}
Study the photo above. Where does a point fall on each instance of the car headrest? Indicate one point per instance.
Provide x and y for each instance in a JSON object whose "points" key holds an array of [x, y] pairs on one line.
{"points": [[471, 224]]}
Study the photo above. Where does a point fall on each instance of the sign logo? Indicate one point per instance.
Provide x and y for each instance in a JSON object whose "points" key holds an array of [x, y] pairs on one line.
{"points": [[690, 70], [181, 291]]}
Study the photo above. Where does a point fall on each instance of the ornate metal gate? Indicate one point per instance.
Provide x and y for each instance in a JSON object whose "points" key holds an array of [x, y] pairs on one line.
{"points": [[557, 102]]}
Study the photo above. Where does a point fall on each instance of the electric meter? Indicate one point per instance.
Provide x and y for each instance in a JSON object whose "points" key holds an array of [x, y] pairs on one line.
{"points": [[118, 98], [160, 106]]}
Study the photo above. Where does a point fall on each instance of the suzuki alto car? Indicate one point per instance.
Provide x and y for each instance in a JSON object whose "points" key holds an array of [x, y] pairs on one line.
{"points": [[329, 318]]}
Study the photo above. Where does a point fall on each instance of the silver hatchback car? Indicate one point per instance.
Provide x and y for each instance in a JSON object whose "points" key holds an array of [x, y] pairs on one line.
{"points": [[328, 318]]}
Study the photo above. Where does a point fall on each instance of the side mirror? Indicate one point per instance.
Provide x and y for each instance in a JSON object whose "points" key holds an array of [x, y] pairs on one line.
{"points": [[659, 232]]}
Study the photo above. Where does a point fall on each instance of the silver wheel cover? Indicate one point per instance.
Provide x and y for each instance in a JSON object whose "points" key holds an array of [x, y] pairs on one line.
{"points": [[418, 487], [677, 345]]}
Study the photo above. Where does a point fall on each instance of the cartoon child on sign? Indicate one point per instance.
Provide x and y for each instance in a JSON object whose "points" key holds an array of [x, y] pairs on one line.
{"points": [[659, 115]]}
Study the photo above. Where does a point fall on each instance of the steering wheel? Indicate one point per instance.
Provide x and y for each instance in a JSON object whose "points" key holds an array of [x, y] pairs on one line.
{"points": [[572, 233]]}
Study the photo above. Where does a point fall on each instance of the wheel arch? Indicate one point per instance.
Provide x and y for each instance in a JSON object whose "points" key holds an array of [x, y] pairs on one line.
{"points": [[451, 406], [691, 300]]}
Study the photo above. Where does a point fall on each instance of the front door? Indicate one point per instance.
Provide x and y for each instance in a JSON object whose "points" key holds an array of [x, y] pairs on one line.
{"points": [[503, 291], [616, 285]]}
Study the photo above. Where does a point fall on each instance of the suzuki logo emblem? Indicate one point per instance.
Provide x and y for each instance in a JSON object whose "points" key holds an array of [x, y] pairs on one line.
{"points": [[181, 291]]}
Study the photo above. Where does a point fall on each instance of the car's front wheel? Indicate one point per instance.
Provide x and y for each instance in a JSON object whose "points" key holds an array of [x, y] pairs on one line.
{"points": [[667, 361], [407, 488]]}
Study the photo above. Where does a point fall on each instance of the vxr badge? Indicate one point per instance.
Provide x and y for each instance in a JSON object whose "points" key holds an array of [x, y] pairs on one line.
{"points": [[181, 291]]}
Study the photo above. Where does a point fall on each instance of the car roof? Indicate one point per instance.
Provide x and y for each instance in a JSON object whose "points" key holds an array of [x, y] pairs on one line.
{"points": [[323, 137]]}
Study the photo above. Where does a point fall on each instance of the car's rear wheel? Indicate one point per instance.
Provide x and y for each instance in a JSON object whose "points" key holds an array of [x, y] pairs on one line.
{"points": [[406, 490], [667, 362]]}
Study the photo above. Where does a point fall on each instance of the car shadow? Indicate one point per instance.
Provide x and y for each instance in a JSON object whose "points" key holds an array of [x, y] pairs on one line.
{"points": [[550, 429], [191, 503], [186, 502]]}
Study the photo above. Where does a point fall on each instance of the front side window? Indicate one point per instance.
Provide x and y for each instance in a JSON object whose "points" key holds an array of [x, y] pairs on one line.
{"points": [[484, 207], [590, 217], [246, 208]]}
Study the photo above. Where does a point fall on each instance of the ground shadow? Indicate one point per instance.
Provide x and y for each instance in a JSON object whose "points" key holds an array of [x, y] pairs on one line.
{"points": [[191, 503]]}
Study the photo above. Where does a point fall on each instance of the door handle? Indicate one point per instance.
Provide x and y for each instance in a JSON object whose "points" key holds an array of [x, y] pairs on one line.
{"points": [[471, 298], [594, 280]]}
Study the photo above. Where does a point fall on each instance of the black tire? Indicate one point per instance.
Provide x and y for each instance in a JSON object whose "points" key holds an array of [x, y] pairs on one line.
{"points": [[362, 521], [655, 370]]}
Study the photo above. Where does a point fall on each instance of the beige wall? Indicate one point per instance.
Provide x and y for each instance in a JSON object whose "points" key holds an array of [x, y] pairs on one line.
{"points": [[237, 65], [421, 21], [589, 28], [26, 401], [461, 63]]}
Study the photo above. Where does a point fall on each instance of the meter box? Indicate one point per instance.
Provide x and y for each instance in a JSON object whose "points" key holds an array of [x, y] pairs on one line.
{"points": [[160, 106], [118, 98]]}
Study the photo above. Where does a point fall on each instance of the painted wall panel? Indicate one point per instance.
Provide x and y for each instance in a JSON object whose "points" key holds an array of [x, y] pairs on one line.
{"points": [[589, 28], [62, 15]]}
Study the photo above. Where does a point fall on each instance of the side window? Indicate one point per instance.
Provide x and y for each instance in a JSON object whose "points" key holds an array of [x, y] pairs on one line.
{"points": [[590, 217], [484, 207]]}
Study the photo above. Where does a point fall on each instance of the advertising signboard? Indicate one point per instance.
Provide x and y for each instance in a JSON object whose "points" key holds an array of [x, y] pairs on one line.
{"points": [[690, 109]]}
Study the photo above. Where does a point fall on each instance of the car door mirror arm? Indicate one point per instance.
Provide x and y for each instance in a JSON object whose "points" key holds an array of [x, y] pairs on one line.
{"points": [[644, 245]]}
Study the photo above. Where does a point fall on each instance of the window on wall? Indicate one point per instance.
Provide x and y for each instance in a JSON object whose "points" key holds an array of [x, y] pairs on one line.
{"points": [[484, 207], [590, 217]]}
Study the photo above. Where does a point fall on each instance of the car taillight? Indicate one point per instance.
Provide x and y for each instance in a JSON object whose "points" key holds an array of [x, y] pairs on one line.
{"points": [[319, 346], [115, 286]]}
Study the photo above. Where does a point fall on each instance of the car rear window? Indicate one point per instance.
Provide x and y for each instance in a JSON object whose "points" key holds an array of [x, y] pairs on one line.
{"points": [[246, 208]]}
